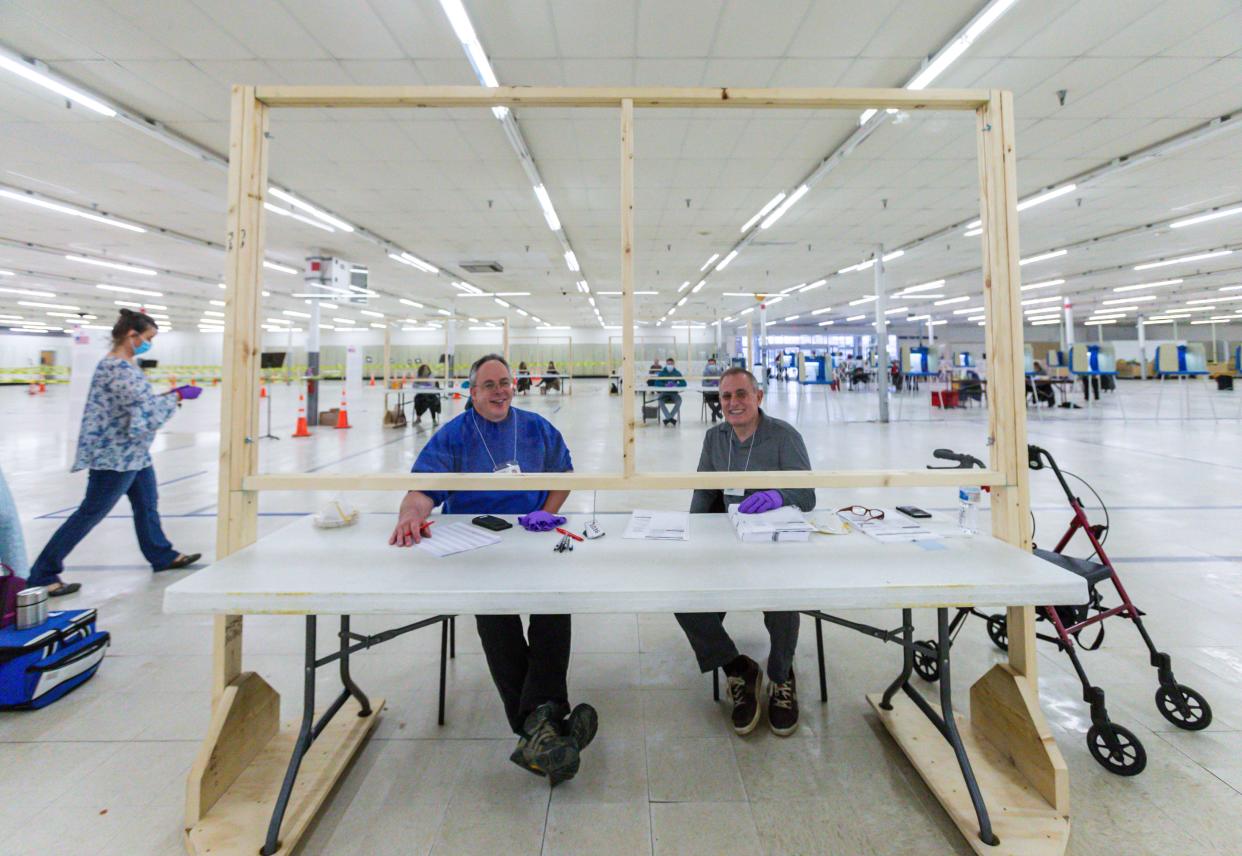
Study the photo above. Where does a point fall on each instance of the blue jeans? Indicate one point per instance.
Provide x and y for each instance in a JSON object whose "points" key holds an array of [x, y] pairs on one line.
{"points": [[104, 489]]}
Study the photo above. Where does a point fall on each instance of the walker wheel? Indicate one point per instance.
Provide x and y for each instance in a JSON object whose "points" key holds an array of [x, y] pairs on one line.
{"points": [[925, 664], [1127, 758], [998, 631], [1191, 712]]}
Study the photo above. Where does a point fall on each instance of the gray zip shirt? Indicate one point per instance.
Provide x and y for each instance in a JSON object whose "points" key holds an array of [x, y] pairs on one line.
{"points": [[775, 445]]}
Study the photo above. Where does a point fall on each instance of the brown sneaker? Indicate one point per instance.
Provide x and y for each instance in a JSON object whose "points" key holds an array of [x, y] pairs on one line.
{"points": [[744, 689], [783, 706]]}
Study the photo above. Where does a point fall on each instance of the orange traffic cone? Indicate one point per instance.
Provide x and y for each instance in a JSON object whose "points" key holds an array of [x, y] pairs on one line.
{"points": [[300, 430], [342, 416], [42, 387], [263, 391], [372, 380]]}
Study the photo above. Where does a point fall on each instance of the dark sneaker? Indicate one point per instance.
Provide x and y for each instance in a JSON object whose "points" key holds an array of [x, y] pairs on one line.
{"points": [[744, 691], [783, 706], [581, 725], [542, 749]]}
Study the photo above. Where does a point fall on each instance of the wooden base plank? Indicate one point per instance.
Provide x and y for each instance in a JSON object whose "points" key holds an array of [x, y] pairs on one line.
{"points": [[1023, 820], [237, 824]]}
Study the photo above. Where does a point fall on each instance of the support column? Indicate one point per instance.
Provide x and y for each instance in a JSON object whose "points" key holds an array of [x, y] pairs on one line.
{"points": [[881, 332], [506, 339], [750, 346], [763, 341], [387, 355], [1067, 327], [312, 366]]}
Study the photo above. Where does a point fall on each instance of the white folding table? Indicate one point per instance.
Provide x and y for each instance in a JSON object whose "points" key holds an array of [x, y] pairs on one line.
{"points": [[306, 571]]}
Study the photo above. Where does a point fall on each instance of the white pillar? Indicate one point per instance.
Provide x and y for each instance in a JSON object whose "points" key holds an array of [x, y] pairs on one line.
{"points": [[1067, 328], [1142, 340], [763, 339], [881, 332]]}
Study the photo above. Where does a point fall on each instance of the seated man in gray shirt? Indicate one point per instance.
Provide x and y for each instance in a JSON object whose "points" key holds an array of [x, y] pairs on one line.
{"points": [[750, 440]]}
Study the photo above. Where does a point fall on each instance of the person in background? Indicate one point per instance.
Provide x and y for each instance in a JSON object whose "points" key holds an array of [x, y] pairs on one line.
{"points": [[530, 671], [426, 401], [523, 378], [750, 440], [711, 380], [670, 402], [121, 417], [12, 544], [551, 379]]}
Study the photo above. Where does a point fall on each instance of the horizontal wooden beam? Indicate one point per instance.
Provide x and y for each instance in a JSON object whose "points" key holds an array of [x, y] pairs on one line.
{"points": [[616, 481], [549, 96]]}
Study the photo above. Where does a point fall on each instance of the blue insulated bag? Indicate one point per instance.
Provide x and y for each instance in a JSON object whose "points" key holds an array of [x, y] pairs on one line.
{"points": [[42, 664]]}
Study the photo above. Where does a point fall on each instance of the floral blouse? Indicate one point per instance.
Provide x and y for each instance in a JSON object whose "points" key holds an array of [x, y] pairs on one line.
{"points": [[121, 418]]}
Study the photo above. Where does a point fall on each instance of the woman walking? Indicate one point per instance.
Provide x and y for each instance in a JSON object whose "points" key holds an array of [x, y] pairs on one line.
{"points": [[121, 417], [426, 401]]}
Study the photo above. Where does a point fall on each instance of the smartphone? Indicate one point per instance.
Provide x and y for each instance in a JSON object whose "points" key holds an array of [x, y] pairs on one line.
{"points": [[495, 524], [913, 511]]}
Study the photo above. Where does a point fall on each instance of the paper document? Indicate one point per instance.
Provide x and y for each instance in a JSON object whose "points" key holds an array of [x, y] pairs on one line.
{"points": [[787, 523], [892, 529], [658, 525], [448, 539]]}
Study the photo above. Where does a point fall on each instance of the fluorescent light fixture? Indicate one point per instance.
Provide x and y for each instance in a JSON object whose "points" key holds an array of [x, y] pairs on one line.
{"points": [[946, 57], [1033, 301], [213, 314], [276, 209], [27, 292], [1204, 218], [66, 209], [217, 303], [895, 254], [1191, 258], [856, 318], [724, 263], [371, 312], [444, 312], [974, 224], [708, 263], [414, 262], [408, 302], [30, 72], [747, 310], [1133, 308], [822, 310], [286, 196], [281, 268], [1041, 198], [868, 298], [466, 287], [926, 286], [500, 302], [695, 290], [1099, 322], [826, 323], [114, 265], [948, 300], [418, 329], [35, 305], [791, 317], [971, 233], [584, 286], [685, 285], [1042, 257], [1047, 283], [1045, 323], [549, 213], [682, 302], [763, 212], [79, 315], [919, 318], [969, 310], [7, 273], [1136, 299], [344, 320], [554, 327], [927, 295], [976, 318], [124, 289], [571, 261], [780, 210], [895, 310], [1214, 300], [378, 325], [132, 305], [523, 313], [812, 286], [591, 300], [936, 323]]}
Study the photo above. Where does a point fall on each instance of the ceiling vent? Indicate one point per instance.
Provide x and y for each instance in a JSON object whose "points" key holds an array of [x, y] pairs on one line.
{"points": [[481, 267]]}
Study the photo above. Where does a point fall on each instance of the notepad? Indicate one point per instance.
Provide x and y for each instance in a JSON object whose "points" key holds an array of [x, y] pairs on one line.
{"points": [[451, 538], [649, 525], [891, 529], [787, 523]]}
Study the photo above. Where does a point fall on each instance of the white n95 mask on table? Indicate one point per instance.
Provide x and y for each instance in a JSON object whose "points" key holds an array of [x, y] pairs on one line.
{"points": [[336, 514]]}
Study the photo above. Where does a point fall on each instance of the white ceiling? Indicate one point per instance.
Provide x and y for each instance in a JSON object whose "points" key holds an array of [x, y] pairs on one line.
{"points": [[446, 185]]}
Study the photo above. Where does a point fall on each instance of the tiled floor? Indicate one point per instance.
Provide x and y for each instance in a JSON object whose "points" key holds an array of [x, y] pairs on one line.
{"points": [[102, 772]]}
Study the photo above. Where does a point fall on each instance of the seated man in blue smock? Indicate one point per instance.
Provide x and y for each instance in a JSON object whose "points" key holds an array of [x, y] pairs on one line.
{"points": [[529, 670]]}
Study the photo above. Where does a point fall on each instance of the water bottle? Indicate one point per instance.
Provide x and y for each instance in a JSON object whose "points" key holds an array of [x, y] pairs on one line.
{"points": [[968, 510]]}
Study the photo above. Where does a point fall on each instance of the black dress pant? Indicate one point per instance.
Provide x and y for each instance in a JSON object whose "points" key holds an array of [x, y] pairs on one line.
{"points": [[529, 669]]}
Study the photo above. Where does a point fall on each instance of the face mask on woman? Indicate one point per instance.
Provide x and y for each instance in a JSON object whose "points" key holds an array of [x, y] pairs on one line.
{"points": [[142, 347]]}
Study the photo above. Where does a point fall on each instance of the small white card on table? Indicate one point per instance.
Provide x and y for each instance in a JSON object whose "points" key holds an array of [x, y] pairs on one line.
{"points": [[658, 525]]}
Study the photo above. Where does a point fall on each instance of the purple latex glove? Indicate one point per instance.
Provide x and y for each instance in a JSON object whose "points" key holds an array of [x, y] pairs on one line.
{"points": [[540, 521], [764, 500], [188, 392]]}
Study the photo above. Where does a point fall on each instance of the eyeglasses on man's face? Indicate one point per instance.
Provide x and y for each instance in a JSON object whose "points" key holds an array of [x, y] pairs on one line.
{"points": [[493, 385]]}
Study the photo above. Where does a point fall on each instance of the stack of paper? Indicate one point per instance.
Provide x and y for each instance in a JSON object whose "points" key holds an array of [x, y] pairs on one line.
{"points": [[891, 529], [446, 539], [658, 525], [787, 523]]}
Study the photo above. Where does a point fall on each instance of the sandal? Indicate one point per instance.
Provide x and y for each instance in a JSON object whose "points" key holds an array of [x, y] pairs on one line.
{"points": [[182, 561], [62, 589]]}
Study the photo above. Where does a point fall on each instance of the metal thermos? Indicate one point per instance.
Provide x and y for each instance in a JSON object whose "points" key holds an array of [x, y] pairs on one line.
{"points": [[31, 607]]}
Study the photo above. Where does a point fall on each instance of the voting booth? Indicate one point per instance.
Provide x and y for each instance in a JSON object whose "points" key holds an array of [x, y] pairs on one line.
{"points": [[814, 368], [1093, 360], [919, 361], [1180, 360], [1028, 360]]}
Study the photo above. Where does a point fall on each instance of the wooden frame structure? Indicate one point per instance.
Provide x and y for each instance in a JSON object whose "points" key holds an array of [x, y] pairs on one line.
{"points": [[1015, 757]]}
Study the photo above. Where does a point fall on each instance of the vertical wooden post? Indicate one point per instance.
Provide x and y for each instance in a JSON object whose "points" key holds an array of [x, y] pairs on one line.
{"points": [[1004, 703], [237, 518], [627, 286]]}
